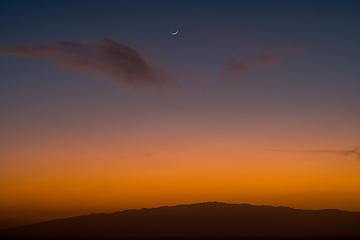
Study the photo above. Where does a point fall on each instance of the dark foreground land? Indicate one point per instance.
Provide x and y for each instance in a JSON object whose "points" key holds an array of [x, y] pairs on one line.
{"points": [[188, 238], [199, 221]]}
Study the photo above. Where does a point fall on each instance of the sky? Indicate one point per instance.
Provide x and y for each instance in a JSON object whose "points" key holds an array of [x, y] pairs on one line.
{"points": [[104, 109]]}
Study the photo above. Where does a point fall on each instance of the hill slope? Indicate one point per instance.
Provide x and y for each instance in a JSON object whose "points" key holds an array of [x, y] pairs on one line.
{"points": [[211, 218]]}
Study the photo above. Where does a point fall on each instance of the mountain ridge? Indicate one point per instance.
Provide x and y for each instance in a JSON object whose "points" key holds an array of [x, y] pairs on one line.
{"points": [[210, 218]]}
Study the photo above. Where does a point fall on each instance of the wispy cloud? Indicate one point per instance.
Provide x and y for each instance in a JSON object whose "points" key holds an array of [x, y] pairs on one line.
{"points": [[106, 58], [261, 58], [354, 151]]}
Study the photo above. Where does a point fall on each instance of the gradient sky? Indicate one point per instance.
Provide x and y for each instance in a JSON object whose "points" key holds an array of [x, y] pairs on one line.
{"points": [[103, 109]]}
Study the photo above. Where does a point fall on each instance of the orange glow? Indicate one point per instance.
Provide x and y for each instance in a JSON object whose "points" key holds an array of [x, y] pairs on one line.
{"points": [[136, 181]]}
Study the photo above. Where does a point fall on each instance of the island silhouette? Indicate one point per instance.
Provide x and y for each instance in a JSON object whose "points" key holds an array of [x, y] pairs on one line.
{"points": [[202, 219]]}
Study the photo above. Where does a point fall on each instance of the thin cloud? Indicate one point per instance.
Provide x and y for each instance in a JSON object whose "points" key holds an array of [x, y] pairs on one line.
{"points": [[106, 58], [262, 58], [354, 151]]}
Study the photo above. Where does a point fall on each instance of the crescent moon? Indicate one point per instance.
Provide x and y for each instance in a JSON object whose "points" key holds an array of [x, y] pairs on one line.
{"points": [[174, 33]]}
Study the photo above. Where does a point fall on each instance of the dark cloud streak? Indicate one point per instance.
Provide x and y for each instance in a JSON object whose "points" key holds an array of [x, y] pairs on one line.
{"points": [[355, 151], [106, 58]]}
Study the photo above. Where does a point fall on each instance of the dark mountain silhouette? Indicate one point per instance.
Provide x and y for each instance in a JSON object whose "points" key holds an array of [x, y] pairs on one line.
{"points": [[203, 219]]}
